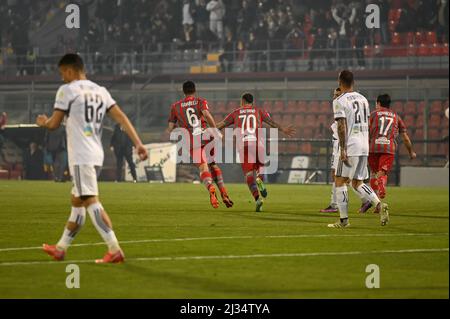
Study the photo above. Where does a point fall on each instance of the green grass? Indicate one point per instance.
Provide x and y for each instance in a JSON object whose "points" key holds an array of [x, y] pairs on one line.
{"points": [[33, 213]]}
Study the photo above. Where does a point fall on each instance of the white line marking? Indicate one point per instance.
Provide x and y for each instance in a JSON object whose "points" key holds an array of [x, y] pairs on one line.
{"points": [[161, 240], [286, 255]]}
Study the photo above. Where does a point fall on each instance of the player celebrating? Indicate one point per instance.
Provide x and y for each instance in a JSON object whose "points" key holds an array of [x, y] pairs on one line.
{"points": [[247, 120], [351, 111], [84, 104], [192, 113], [332, 208], [384, 127]]}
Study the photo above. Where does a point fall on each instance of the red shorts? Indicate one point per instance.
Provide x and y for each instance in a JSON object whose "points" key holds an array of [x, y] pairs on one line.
{"points": [[381, 162], [250, 158], [199, 156]]}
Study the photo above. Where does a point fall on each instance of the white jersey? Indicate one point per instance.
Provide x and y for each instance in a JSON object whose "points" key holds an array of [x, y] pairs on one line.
{"points": [[334, 130], [354, 107], [85, 104]]}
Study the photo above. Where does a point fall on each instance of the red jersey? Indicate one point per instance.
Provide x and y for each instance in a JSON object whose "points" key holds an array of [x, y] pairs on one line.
{"points": [[248, 120], [384, 127], [187, 113]]}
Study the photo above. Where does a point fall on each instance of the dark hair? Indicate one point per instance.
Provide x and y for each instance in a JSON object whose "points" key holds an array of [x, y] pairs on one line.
{"points": [[188, 87], [384, 100], [346, 78], [73, 60], [247, 97]]}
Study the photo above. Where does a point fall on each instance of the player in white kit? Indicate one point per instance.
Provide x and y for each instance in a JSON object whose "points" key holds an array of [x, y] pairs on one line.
{"points": [[351, 112], [84, 104], [332, 207]]}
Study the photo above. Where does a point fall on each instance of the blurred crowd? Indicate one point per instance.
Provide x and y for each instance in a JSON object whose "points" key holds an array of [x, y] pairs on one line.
{"points": [[125, 26]]}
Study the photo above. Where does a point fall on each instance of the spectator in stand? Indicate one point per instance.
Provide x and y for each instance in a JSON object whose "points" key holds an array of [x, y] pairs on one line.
{"points": [[361, 34], [408, 18], [442, 27], [344, 17], [217, 13], [318, 49], [384, 20], [226, 59], [201, 20], [34, 163], [188, 20]]}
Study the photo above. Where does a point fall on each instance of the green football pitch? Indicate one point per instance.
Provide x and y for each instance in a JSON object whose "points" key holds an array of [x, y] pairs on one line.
{"points": [[177, 246]]}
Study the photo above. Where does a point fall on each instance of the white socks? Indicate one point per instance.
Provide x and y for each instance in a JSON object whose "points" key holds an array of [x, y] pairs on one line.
{"points": [[77, 216], [95, 212], [361, 196], [368, 194], [342, 201], [333, 202]]}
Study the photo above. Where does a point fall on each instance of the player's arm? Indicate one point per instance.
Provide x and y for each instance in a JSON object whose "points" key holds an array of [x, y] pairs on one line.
{"points": [[288, 131], [120, 117], [209, 118], [51, 123], [342, 134], [408, 145], [170, 127]]}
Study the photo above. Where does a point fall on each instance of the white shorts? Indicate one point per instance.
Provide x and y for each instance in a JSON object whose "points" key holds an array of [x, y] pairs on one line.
{"points": [[357, 169], [335, 155], [84, 179]]}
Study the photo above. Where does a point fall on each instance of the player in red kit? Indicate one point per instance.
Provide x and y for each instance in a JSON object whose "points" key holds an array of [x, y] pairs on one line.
{"points": [[384, 127], [246, 120], [192, 113]]}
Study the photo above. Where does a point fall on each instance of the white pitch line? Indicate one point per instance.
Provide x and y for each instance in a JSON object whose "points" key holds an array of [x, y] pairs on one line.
{"points": [[285, 255], [161, 240]]}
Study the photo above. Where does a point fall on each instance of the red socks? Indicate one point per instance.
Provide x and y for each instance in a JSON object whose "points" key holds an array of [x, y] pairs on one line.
{"points": [[206, 179], [252, 186], [217, 176]]}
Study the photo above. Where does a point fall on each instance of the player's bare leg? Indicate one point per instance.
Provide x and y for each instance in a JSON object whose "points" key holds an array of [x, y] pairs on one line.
{"points": [[253, 188], [342, 202], [206, 178], [74, 224], [217, 176]]}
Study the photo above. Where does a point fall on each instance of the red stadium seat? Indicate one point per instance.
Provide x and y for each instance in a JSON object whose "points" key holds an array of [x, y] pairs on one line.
{"points": [[220, 107], [310, 120], [431, 37], [420, 38], [409, 120], [423, 50], [420, 121], [409, 38], [299, 119], [411, 50], [287, 120], [409, 107], [278, 107], [418, 134], [314, 107], [292, 107], [434, 134], [368, 51], [436, 50], [307, 132], [325, 107], [322, 120], [396, 39], [421, 107], [232, 105], [302, 107], [436, 107], [445, 49], [277, 118], [397, 107], [434, 121]]}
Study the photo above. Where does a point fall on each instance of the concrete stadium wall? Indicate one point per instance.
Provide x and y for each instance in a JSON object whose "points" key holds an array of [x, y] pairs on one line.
{"points": [[424, 177]]}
